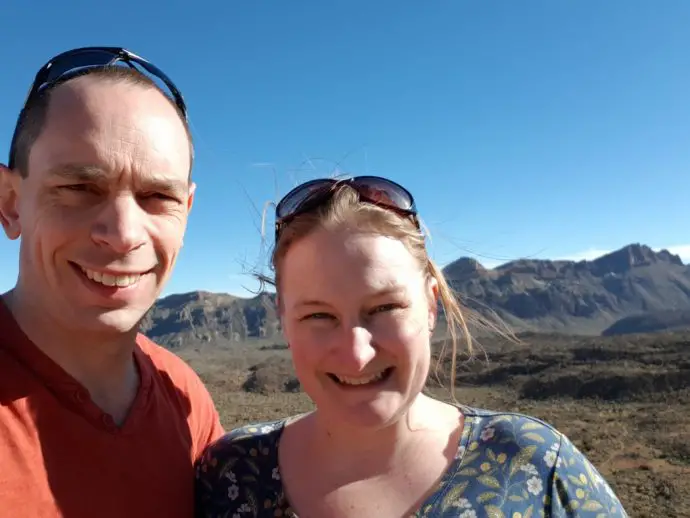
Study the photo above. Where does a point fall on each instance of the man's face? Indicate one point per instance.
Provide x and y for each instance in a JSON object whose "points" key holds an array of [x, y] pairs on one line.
{"points": [[104, 206]]}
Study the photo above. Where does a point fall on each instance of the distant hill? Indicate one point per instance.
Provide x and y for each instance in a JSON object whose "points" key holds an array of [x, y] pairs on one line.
{"points": [[583, 297], [651, 322], [202, 317], [572, 297]]}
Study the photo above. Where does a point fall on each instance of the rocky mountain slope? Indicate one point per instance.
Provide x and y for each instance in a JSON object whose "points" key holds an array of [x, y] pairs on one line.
{"points": [[201, 317], [575, 297], [584, 297]]}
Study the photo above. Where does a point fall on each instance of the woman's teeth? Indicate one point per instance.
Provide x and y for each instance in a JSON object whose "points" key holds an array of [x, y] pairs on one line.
{"points": [[361, 380]]}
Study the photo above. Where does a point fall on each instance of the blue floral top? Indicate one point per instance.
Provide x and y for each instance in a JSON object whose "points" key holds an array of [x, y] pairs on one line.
{"points": [[507, 465]]}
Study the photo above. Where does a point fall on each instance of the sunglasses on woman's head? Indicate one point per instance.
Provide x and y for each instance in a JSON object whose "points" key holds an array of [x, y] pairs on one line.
{"points": [[371, 189]]}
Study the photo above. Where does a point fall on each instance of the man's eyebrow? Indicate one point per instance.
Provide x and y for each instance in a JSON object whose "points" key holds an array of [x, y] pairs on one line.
{"points": [[95, 174], [155, 183], [82, 173]]}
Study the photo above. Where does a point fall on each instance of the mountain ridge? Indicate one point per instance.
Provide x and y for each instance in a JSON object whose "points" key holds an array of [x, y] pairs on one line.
{"points": [[532, 295]]}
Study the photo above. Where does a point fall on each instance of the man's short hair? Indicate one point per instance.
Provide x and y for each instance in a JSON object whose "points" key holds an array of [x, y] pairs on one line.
{"points": [[33, 117]]}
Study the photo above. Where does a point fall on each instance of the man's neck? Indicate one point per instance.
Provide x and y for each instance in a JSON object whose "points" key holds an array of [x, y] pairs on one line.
{"points": [[103, 364]]}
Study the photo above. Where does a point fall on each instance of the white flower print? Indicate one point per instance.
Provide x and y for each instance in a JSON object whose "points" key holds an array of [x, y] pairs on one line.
{"points": [[463, 503], [550, 458], [530, 469], [266, 429], [461, 452], [233, 492], [275, 474], [487, 433], [470, 513], [534, 486], [231, 476]]}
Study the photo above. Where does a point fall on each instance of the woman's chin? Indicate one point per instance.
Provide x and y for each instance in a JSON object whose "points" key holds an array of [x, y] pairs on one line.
{"points": [[382, 412]]}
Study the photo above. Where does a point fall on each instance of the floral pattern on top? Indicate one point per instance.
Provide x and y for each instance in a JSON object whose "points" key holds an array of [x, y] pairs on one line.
{"points": [[507, 465]]}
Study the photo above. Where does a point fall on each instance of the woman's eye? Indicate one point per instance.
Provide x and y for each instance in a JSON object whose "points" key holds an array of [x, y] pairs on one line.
{"points": [[317, 316], [386, 307]]}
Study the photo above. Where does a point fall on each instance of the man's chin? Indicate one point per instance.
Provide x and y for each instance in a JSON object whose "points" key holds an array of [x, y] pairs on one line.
{"points": [[121, 321]]}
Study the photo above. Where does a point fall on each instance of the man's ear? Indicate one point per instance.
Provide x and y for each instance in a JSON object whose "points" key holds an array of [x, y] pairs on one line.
{"points": [[190, 196], [10, 183], [433, 294]]}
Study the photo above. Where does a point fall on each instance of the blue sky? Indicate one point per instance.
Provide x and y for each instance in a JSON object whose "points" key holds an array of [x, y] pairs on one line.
{"points": [[524, 129]]}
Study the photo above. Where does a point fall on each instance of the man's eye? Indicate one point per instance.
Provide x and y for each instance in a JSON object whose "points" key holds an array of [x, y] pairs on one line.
{"points": [[159, 196], [80, 187]]}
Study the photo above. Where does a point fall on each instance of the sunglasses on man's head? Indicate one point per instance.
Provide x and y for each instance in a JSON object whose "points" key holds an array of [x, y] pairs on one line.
{"points": [[72, 62], [371, 189]]}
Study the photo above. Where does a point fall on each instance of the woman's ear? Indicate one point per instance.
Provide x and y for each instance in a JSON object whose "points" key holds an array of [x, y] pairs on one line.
{"points": [[432, 295], [280, 309]]}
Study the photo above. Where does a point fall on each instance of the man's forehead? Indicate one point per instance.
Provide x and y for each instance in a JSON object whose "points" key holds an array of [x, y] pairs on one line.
{"points": [[91, 98], [94, 85], [113, 132]]}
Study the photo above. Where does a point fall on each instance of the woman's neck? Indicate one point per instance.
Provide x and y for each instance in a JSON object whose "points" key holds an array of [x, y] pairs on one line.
{"points": [[329, 469], [371, 452]]}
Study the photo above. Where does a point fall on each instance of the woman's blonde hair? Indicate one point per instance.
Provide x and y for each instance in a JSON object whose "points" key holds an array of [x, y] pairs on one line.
{"points": [[344, 208]]}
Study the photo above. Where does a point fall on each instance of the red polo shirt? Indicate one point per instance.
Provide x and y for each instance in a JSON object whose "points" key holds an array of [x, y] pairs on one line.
{"points": [[62, 456]]}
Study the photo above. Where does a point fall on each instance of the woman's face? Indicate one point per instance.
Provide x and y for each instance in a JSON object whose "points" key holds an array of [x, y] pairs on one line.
{"points": [[357, 312]]}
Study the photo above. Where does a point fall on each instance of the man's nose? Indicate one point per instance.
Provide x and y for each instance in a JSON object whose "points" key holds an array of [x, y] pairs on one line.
{"points": [[356, 351], [121, 225]]}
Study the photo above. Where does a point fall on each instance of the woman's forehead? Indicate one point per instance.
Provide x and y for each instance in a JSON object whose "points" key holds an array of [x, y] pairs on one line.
{"points": [[336, 250], [357, 265]]}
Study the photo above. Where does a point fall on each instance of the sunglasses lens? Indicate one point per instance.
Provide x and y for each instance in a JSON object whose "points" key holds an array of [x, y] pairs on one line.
{"points": [[77, 60], [295, 199], [372, 188], [385, 192], [71, 63]]}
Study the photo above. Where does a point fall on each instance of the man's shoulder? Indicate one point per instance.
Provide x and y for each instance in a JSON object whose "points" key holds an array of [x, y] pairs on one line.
{"points": [[180, 382], [165, 360], [170, 372]]}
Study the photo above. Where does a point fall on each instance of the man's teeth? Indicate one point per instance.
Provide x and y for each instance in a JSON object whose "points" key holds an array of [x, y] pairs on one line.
{"points": [[361, 380], [121, 281]]}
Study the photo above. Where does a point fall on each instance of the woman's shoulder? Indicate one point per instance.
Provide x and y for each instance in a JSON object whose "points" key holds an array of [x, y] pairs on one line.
{"points": [[517, 462], [239, 469], [250, 439], [510, 440], [484, 414], [250, 447], [505, 428]]}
